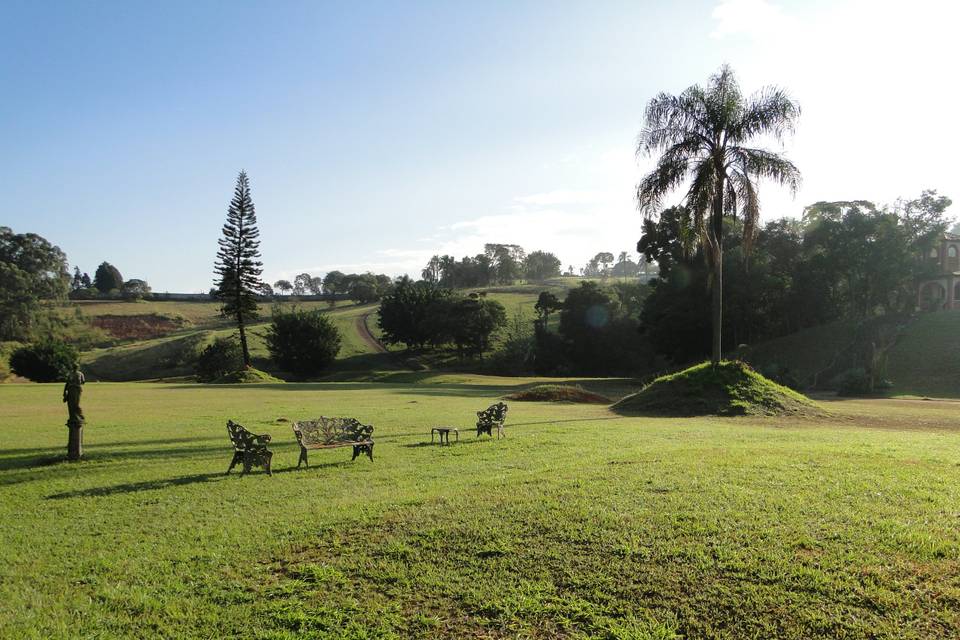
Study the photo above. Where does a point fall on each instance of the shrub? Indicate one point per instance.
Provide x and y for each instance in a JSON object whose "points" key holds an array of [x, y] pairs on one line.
{"points": [[303, 342], [856, 382], [220, 357], [47, 361]]}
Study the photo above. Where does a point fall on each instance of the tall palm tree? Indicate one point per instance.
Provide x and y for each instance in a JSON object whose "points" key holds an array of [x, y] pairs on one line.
{"points": [[703, 136]]}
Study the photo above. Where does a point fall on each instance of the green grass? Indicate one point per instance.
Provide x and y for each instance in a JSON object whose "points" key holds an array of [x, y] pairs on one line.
{"points": [[579, 524], [730, 388], [925, 361]]}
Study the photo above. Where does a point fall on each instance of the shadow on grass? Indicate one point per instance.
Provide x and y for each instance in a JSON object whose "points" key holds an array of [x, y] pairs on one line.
{"points": [[197, 478]]}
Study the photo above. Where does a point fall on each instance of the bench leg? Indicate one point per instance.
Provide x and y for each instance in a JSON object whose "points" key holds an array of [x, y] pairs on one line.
{"points": [[269, 462], [370, 452], [237, 457], [303, 458], [247, 463]]}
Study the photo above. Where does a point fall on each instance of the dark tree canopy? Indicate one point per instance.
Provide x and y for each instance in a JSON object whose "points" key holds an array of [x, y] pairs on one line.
{"points": [[541, 265], [303, 342], [107, 278], [238, 265], [404, 312]]}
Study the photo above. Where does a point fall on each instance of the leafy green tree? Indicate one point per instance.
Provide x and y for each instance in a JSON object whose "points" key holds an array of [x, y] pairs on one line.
{"points": [[135, 289], [31, 270], [404, 313], [107, 278], [541, 265], [219, 358], [46, 361], [283, 286], [705, 138], [301, 284], [238, 265], [333, 282], [303, 342], [546, 304]]}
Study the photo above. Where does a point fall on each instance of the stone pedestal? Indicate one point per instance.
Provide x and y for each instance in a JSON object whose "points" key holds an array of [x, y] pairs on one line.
{"points": [[75, 440]]}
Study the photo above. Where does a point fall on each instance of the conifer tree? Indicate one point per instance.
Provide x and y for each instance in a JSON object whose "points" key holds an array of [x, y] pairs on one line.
{"points": [[238, 266]]}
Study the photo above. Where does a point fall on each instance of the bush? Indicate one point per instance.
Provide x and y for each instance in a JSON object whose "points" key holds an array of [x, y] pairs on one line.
{"points": [[856, 382], [217, 359], [303, 342], [47, 361]]}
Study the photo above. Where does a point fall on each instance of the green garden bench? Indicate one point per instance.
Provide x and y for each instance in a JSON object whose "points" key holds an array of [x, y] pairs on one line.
{"points": [[248, 448], [492, 418], [330, 433]]}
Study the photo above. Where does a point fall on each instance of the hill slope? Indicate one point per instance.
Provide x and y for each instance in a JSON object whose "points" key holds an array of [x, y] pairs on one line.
{"points": [[924, 361]]}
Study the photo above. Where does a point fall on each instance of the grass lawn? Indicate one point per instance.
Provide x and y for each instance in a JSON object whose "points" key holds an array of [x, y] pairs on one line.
{"points": [[579, 524]]}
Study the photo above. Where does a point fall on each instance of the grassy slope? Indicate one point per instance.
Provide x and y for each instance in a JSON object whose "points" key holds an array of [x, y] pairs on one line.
{"points": [[925, 361], [579, 524], [149, 359]]}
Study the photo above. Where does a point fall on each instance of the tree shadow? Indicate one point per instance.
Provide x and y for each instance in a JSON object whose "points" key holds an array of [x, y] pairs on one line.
{"points": [[135, 487]]}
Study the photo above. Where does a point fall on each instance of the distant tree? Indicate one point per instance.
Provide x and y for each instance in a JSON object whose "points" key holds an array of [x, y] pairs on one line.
{"points": [[333, 282], [303, 342], [266, 290], [541, 265], [135, 289], [473, 320], [301, 284], [77, 283], [547, 303], [238, 266], [603, 260], [87, 282], [706, 136], [316, 285], [107, 278], [506, 261], [283, 286], [31, 270], [217, 359], [432, 272], [404, 312]]}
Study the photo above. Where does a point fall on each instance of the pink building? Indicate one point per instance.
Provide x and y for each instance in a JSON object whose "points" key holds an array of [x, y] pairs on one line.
{"points": [[942, 289]]}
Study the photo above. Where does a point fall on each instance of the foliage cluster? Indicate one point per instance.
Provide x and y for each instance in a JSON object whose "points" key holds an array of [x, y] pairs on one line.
{"points": [[303, 342], [498, 264], [217, 359], [31, 270], [362, 288], [423, 313], [45, 361]]}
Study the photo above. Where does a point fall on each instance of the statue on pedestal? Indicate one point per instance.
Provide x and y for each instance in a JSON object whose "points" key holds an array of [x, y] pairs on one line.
{"points": [[71, 395]]}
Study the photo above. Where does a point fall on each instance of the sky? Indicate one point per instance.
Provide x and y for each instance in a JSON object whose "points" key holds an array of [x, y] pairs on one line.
{"points": [[378, 134]]}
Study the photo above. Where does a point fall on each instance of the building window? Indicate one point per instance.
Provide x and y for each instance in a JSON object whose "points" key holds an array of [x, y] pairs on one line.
{"points": [[934, 253], [953, 262], [956, 292], [952, 251]]}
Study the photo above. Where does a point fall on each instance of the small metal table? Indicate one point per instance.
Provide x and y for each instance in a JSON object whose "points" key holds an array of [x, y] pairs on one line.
{"points": [[444, 432]]}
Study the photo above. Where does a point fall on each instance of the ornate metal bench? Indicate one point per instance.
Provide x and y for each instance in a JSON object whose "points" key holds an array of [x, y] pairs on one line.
{"points": [[248, 448], [329, 433], [492, 418]]}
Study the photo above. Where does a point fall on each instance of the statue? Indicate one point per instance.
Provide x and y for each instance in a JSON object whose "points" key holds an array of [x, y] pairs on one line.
{"points": [[71, 395]]}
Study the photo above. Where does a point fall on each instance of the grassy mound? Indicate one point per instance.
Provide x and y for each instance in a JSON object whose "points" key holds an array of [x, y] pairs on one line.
{"points": [[558, 393], [246, 376], [730, 389]]}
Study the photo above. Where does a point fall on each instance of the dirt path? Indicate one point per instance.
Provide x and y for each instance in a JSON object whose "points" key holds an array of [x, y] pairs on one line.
{"points": [[368, 337]]}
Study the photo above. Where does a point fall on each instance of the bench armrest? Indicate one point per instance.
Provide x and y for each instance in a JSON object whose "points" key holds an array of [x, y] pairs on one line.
{"points": [[262, 439]]}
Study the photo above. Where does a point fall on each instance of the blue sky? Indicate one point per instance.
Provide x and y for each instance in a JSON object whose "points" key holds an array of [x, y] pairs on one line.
{"points": [[376, 134]]}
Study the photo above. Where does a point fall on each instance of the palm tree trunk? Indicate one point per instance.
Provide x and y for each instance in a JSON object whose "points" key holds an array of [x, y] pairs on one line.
{"points": [[717, 228], [717, 303]]}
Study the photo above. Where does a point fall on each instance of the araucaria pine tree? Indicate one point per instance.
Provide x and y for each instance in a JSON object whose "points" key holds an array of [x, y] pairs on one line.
{"points": [[238, 264]]}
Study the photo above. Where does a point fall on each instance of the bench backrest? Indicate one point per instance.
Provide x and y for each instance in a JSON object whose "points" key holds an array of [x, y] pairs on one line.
{"points": [[242, 439], [327, 431], [494, 414]]}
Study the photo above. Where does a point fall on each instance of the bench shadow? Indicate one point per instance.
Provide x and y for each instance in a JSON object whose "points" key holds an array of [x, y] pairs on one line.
{"points": [[453, 443]]}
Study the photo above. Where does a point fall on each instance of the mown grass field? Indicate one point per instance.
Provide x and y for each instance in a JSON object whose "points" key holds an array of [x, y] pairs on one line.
{"points": [[579, 524]]}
